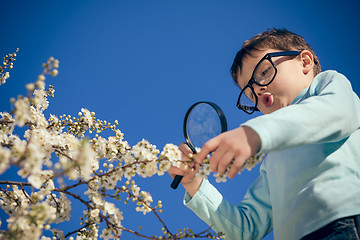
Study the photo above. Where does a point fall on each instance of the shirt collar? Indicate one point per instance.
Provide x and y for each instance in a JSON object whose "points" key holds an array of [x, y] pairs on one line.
{"points": [[301, 94]]}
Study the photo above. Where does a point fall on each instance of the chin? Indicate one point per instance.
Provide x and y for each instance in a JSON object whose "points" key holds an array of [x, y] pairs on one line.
{"points": [[266, 111], [269, 110]]}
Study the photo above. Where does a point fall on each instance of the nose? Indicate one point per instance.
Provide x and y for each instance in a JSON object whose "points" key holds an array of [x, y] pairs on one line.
{"points": [[259, 90]]}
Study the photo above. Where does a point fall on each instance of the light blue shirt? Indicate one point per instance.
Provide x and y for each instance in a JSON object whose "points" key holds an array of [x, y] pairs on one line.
{"points": [[311, 175]]}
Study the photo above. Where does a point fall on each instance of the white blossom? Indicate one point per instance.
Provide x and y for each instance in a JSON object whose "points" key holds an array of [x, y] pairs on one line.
{"points": [[129, 172], [94, 214], [116, 219], [220, 178], [57, 127], [28, 224], [135, 190], [8, 128], [37, 179], [69, 142], [36, 116], [109, 208], [107, 234], [18, 149], [204, 171], [112, 149], [253, 161], [22, 111], [97, 200], [164, 166], [172, 153], [5, 155], [40, 99], [45, 238], [146, 154], [144, 150], [100, 145], [62, 206], [86, 160], [87, 117], [112, 179], [11, 207], [33, 162], [4, 77], [145, 206]]}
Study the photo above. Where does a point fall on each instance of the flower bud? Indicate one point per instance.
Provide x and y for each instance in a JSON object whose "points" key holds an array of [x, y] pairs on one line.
{"points": [[30, 86], [56, 63], [54, 72], [41, 77]]}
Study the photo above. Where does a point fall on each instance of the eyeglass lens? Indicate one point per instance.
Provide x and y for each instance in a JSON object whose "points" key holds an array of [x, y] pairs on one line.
{"points": [[263, 75]]}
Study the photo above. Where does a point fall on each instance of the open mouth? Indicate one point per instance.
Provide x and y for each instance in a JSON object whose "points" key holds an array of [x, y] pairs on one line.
{"points": [[267, 99]]}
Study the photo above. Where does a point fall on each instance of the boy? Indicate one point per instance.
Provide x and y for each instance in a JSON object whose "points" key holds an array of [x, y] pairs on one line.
{"points": [[309, 183]]}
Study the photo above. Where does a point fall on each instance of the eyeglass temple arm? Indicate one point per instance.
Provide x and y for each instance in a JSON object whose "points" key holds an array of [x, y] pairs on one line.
{"points": [[288, 53]]}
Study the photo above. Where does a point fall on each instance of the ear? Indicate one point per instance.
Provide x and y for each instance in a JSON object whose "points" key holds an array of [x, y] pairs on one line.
{"points": [[307, 61]]}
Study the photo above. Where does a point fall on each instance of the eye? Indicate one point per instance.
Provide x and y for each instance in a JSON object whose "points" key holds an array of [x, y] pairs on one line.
{"points": [[265, 72]]}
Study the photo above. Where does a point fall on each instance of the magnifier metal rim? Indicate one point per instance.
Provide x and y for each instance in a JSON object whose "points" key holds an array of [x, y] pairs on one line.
{"points": [[177, 178], [219, 112]]}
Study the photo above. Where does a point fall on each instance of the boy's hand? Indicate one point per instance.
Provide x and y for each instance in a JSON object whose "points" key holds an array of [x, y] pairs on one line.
{"points": [[234, 146], [190, 181]]}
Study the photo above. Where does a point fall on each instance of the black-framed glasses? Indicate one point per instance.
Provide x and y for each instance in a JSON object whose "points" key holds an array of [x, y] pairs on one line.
{"points": [[263, 74]]}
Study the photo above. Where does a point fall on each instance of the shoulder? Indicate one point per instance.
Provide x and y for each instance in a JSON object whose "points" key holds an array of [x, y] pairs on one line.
{"points": [[329, 74], [329, 79]]}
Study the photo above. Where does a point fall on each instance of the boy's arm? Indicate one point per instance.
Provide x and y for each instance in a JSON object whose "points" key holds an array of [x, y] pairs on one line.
{"points": [[330, 113], [250, 219]]}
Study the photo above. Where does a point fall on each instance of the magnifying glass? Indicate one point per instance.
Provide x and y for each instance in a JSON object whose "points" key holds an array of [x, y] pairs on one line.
{"points": [[203, 121]]}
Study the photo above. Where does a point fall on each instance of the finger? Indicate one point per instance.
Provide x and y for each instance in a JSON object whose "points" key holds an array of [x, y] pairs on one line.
{"points": [[208, 147], [175, 171], [236, 166], [197, 166], [214, 159], [184, 148], [224, 162], [189, 177], [185, 152], [217, 156]]}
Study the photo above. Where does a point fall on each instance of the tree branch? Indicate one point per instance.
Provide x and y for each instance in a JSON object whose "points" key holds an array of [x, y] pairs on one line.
{"points": [[15, 183]]}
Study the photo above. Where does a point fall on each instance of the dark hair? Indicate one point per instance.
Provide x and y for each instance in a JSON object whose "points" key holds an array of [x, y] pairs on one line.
{"points": [[281, 39]]}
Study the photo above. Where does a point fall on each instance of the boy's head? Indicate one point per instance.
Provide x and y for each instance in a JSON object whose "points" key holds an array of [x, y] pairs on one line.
{"points": [[273, 68]]}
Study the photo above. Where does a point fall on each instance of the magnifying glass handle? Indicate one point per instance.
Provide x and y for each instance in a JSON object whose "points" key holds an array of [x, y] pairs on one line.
{"points": [[175, 183], [177, 179]]}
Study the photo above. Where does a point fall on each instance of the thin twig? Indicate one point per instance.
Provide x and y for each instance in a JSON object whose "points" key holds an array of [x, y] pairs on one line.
{"points": [[15, 183], [77, 230]]}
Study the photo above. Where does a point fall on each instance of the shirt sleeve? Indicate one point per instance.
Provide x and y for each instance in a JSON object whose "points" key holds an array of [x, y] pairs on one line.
{"points": [[329, 112], [250, 219]]}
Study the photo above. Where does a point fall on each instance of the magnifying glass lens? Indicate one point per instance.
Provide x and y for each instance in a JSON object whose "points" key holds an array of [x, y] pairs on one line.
{"points": [[203, 121], [202, 125]]}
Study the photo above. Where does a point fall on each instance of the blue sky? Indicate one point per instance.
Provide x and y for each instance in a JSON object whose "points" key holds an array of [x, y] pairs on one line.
{"points": [[145, 62]]}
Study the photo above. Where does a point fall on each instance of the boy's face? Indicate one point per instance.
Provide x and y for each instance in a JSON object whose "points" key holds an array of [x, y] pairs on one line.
{"points": [[289, 81]]}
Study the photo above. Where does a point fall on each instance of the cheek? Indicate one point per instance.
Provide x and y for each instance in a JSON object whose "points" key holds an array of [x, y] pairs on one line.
{"points": [[281, 84]]}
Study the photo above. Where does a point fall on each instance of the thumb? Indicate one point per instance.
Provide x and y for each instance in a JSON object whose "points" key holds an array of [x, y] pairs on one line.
{"points": [[184, 148]]}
